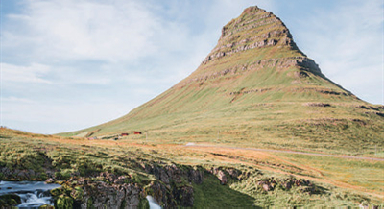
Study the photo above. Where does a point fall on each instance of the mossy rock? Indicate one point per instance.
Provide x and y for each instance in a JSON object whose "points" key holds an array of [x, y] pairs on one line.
{"points": [[143, 204], [78, 193], [64, 202], [56, 191], [9, 199], [90, 203], [46, 207]]}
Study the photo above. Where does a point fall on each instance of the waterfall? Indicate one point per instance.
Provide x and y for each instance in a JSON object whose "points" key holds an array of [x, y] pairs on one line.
{"points": [[152, 203], [32, 193]]}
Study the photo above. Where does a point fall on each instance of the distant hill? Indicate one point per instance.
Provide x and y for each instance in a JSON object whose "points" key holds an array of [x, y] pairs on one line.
{"points": [[257, 89]]}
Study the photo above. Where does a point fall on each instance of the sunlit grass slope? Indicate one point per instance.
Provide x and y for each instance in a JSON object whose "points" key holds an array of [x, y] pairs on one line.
{"points": [[256, 88], [333, 182]]}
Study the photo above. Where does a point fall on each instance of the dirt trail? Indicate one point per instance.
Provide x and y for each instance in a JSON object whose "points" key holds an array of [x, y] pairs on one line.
{"points": [[286, 151], [320, 178], [220, 149]]}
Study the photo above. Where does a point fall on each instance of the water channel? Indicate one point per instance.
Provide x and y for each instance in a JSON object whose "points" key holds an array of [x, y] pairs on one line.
{"points": [[32, 193]]}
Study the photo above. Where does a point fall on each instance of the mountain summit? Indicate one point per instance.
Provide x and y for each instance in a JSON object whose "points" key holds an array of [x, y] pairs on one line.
{"points": [[255, 41], [254, 88]]}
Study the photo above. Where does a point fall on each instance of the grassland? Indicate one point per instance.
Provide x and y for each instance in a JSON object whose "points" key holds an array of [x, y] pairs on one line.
{"points": [[266, 97], [270, 97], [262, 106], [342, 128], [335, 181]]}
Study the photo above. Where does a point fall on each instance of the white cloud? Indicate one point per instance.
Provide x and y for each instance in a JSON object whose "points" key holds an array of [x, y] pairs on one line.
{"points": [[138, 49], [37, 73], [77, 30], [347, 43], [17, 100], [33, 73]]}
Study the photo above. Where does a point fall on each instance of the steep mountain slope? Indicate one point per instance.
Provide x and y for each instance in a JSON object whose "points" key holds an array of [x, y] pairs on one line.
{"points": [[256, 88]]}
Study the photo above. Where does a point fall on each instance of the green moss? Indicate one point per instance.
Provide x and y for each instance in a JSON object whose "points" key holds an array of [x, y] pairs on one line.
{"points": [[56, 192], [9, 200], [64, 174], [77, 193], [90, 203], [46, 207], [143, 204], [64, 202]]}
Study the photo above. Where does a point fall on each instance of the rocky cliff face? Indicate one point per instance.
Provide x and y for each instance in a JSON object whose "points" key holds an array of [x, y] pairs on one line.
{"points": [[257, 31], [255, 28], [302, 63], [171, 188]]}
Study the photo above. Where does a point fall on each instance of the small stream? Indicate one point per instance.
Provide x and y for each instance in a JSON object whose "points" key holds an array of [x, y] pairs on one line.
{"points": [[32, 193]]}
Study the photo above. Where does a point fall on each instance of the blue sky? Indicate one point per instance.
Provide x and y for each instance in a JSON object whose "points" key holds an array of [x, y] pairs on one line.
{"points": [[69, 65]]}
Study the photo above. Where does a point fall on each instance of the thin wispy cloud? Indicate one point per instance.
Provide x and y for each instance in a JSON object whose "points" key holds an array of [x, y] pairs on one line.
{"points": [[33, 73], [79, 30], [17, 100]]}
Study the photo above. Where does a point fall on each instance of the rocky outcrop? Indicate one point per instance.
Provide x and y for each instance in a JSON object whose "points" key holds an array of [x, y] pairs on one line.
{"points": [[25, 174], [9, 200], [255, 28], [225, 174], [173, 178], [260, 90], [304, 64], [304, 186], [171, 187], [318, 104], [92, 185], [173, 173], [99, 194]]}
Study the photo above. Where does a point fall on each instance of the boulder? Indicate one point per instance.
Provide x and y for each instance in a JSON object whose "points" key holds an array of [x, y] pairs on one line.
{"points": [[9, 200], [267, 187], [222, 177]]}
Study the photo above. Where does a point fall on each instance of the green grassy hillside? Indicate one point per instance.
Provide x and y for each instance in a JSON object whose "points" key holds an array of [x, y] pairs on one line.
{"points": [[257, 89], [184, 176]]}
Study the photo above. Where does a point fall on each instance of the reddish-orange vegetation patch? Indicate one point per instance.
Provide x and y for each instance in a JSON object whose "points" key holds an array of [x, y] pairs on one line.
{"points": [[249, 156], [267, 161]]}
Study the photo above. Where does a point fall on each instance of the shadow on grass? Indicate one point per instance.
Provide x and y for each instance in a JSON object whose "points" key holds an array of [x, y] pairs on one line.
{"points": [[211, 194]]}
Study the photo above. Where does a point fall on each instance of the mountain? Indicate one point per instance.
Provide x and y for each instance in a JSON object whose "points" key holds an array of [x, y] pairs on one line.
{"points": [[256, 88], [254, 100]]}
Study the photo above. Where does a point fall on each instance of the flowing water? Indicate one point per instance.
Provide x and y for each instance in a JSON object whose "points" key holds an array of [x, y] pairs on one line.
{"points": [[152, 203], [32, 193]]}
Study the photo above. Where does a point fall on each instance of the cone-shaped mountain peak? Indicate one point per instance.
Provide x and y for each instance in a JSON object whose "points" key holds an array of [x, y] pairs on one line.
{"points": [[256, 66], [254, 28], [256, 37]]}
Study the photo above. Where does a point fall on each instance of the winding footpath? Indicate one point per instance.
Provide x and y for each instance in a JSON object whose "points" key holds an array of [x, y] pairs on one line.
{"points": [[285, 151]]}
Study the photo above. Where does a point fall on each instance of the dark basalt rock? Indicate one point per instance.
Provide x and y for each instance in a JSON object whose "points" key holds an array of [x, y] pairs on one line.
{"points": [[8, 200]]}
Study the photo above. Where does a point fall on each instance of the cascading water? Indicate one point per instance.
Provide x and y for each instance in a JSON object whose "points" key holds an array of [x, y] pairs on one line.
{"points": [[32, 193], [152, 203], [31, 200]]}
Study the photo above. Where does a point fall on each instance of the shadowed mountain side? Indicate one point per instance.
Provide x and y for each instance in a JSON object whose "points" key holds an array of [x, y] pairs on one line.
{"points": [[256, 88]]}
